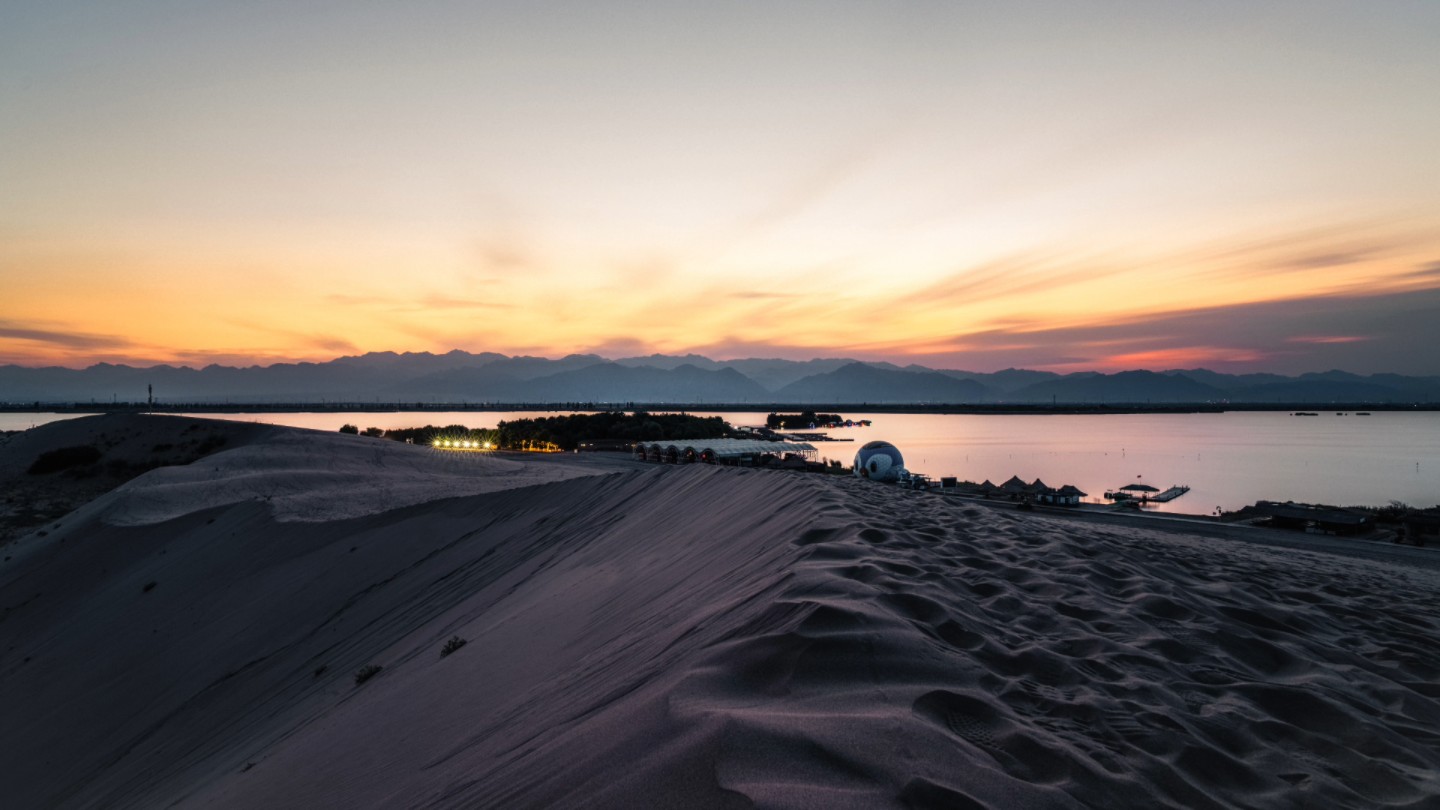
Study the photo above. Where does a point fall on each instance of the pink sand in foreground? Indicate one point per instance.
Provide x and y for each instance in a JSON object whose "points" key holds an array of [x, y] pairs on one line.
{"points": [[690, 637]]}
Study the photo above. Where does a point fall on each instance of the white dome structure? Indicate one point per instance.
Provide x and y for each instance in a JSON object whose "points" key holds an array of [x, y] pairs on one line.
{"points": [[879, 461]]}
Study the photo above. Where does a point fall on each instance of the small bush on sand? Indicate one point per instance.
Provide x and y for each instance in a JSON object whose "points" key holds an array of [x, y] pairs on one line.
{"points": [[367, 672], [351, 429], [452, 645], [64, 458], [210, 445], [374, 432]]}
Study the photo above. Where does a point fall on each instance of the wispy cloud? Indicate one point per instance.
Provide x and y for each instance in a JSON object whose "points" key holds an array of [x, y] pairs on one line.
{"points": [[433, 301], [451, 302], [761, 295], [299, 341], [1425, 272], [345, 299], [58, 337], [1395, 332], [617, 347], [1330, 338], [1320, 260]]}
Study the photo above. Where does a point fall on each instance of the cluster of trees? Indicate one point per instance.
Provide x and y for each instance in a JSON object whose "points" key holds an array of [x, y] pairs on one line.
{"points": [[802, 420], [1395, 512], [429, 433], [566, 431], [373, 432]]}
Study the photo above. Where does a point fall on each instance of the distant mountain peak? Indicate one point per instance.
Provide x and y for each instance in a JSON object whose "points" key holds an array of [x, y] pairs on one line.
{"points": [[458, 376]]}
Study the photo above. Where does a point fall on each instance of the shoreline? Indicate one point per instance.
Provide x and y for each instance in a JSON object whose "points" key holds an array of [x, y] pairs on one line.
{"points": [[972, 409], [1207, 526], [1181, 523]]}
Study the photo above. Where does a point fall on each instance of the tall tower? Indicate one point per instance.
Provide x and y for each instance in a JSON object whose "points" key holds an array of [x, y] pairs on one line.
{"points": [[150, 392]]}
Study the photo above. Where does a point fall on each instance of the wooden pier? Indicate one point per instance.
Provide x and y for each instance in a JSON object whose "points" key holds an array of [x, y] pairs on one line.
{"points": [[1170, 494], [1143, 493]]}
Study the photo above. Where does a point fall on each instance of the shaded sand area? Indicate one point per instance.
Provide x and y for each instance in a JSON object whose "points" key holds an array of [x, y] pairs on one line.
{"points": [[81, 459], [686, 637]]}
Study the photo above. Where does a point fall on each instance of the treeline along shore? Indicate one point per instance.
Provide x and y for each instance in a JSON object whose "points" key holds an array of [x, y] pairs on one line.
{"points": [[738, 407]]}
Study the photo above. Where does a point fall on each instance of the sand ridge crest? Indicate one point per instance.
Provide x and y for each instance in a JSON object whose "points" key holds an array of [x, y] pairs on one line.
{"points": [[314, 477]]}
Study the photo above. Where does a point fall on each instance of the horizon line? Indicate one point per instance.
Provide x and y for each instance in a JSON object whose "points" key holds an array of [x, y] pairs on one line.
{"points": [[139, 364]]}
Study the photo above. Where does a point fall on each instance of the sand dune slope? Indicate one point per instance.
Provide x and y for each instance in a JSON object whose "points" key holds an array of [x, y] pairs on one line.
{"points": [[120, 447], [701, 637], [310, 476]]}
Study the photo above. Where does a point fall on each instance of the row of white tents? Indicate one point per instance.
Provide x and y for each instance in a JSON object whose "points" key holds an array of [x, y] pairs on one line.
{"points": [[711, 451]]}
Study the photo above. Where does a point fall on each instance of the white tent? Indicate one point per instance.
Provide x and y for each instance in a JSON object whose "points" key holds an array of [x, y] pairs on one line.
{"points": [[719, 449]]}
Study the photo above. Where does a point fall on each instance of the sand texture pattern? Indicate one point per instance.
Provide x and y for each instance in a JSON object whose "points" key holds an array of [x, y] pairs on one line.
{"points": [[700, 637]]}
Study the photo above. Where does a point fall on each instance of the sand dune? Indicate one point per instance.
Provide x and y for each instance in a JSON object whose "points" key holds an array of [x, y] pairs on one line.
{"points": [[122, 446], [310, 476], [689, 637]]}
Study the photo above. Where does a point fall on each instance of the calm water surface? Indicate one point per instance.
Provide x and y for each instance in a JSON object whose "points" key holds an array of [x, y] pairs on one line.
{"points": [[1227, 459], [25, 421]]}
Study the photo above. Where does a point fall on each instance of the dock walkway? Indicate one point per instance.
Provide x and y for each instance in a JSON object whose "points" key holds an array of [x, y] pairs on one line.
{"points": [[1170, 494]]}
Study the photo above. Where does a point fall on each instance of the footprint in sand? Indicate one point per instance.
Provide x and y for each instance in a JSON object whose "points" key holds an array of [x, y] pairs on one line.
{"points": [[975, 720]]}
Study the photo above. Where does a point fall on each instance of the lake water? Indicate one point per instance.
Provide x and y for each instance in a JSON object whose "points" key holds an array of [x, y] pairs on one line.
{"points": [[1227, 459], [25, 421]]}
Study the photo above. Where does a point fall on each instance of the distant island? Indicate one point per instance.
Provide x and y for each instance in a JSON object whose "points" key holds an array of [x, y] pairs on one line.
{"points": [[566, 431], [462, 380], [805, 420]]}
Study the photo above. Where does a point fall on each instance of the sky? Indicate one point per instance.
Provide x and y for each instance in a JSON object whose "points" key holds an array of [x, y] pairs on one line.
{"points": [[1061, 185]]}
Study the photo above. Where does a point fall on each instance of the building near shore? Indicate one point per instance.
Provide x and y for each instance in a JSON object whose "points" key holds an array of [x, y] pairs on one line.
{"points": [[1314, 518], [1068, 495], [1038, 491], [1014, 487]]}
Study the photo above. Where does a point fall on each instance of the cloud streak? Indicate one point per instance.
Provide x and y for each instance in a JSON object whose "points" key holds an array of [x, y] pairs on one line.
{"points": [[56, 337], [1387, 332]]}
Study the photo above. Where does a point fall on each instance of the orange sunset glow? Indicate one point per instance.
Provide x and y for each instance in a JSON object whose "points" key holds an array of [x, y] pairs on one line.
{"points": [[1046, 187]]}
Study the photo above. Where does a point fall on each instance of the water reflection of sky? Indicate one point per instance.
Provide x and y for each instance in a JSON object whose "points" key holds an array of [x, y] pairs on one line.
{"points": [[1228, 459]]}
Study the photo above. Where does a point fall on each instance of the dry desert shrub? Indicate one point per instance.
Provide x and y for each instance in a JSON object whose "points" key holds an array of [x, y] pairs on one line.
{"points": [[452, 645]]}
